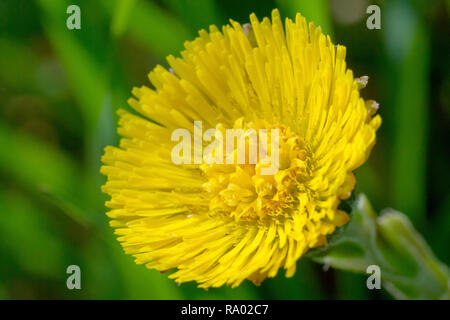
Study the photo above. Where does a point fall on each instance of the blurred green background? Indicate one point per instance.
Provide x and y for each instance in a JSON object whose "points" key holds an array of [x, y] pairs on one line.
{"points": [[60, 88]]}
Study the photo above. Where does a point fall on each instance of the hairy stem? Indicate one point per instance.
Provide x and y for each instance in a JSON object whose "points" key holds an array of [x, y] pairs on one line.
{"points": [[409, 269]]}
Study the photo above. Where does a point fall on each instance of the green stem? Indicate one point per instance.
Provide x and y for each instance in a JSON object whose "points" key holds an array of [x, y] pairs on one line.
{"points": [[409, 269]]}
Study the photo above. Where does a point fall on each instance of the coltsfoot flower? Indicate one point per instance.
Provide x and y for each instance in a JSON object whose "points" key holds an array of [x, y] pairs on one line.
{"points": [[219, 224]]}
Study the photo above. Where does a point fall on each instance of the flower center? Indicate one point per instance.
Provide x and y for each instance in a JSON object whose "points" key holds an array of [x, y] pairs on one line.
{"points": [[244, 192]]}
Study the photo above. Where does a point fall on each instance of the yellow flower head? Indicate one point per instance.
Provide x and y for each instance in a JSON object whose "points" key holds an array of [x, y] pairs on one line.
{"points": [[219, 224]]}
